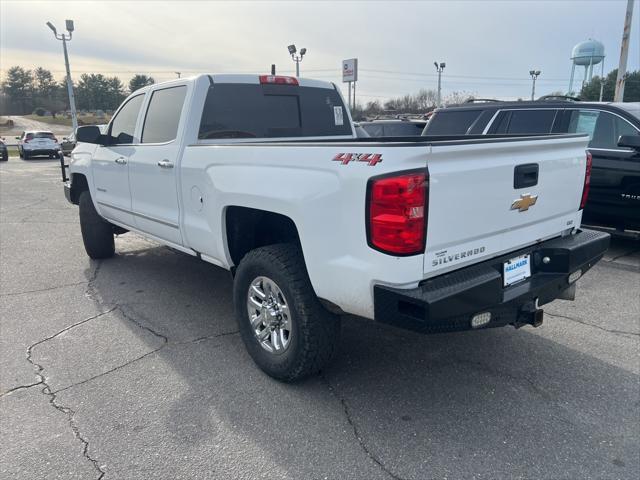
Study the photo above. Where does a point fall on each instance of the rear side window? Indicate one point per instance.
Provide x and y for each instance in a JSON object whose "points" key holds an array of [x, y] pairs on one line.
{"points": [[453, 122], [123, 125], [270, 111], [531, 121], [163, 115]]}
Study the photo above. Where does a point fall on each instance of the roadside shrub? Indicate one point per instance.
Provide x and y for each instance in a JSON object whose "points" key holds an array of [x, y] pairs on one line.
{"points": [[41, 112]]}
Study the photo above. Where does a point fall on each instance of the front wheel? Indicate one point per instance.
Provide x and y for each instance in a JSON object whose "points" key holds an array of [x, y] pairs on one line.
{"points": [[97, 233], [287, 332]]}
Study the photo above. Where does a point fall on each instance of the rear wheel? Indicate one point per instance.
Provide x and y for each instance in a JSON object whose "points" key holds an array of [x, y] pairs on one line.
{"points": [[287, 332], [25, 155], [97, 233]]}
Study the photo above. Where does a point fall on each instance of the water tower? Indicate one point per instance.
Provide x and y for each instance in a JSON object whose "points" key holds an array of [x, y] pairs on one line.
{"points": [[586, 54]]}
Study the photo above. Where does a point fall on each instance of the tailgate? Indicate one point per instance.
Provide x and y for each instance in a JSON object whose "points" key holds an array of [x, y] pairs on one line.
{"points": [[484, 199]]}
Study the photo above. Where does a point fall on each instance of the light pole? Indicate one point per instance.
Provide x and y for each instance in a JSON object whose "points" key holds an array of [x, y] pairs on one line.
{"points": [[439, 69], [534, 75], [296, 58], [179, 74], [65, 38]]}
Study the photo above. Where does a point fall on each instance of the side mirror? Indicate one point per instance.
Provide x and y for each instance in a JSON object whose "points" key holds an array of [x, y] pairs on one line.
{"points": [[88, 134], [629, 141]]}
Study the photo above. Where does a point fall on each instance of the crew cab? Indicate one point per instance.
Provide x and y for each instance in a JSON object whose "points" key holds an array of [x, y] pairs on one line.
{"points": [[37, 142], [263, 175], [614, 142]]}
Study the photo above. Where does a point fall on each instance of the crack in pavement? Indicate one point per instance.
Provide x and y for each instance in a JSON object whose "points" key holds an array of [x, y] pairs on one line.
{"points": [[19, 387], [356, 432], [9, 294], [609, 330], [126, 364], [46, 390]]}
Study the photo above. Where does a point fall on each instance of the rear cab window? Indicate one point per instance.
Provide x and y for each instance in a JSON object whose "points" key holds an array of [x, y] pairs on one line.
{"points": [[452, 122], [247, 110]]}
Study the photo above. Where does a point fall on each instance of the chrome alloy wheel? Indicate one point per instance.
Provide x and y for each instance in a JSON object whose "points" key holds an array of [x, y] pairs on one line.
{"points": [[269, 315]]}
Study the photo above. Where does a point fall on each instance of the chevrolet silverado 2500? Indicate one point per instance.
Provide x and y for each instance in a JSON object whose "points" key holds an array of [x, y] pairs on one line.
{"points": [[264, 176]]}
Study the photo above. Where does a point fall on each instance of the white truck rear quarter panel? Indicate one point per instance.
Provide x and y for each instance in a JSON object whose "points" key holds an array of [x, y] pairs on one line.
{"points": [[324, 198]]}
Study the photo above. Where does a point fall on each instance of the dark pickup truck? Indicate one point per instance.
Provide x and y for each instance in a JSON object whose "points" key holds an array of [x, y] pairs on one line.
{"points": [[614, 133]]}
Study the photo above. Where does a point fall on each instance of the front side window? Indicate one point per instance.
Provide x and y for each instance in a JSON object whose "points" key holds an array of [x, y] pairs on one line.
{"points": [[123, 125], [163, 115], [608, 130]]}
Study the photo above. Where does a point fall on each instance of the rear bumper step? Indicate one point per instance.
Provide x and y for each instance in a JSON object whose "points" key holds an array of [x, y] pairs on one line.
{"points": [[449, 302]]}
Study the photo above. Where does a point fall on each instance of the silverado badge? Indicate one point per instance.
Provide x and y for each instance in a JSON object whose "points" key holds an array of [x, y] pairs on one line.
{"points": [[524, 202]]}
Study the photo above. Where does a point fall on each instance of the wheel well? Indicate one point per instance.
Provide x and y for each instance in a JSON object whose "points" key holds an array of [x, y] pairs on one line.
{"points": [[78, 185], [249, 228]]}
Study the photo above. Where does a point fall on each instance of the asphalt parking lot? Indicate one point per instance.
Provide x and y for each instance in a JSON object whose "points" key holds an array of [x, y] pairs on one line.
{"points": [[133, 368]]}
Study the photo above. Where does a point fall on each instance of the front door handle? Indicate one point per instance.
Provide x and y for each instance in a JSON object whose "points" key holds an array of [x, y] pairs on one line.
{"points": [[165, 164], [121, 161]]}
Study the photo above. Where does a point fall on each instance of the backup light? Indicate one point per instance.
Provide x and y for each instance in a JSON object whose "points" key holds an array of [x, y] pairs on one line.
{"points": [[480, 319], [574, 276]]}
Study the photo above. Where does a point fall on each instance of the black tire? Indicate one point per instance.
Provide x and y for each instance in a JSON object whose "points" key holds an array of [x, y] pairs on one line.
{"points": [[25, 155], [5, 157], [97, 233], [315, 334]]}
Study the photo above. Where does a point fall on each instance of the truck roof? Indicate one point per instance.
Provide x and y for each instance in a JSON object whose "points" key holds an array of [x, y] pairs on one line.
{"points": [[239, 78]]}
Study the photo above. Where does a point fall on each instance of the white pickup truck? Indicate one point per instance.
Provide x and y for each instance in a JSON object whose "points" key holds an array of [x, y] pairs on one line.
{"points": [[264, 176]]}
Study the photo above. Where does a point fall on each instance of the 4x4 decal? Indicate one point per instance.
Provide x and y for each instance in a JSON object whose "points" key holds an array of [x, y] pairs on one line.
{"points": [[371, 158]]}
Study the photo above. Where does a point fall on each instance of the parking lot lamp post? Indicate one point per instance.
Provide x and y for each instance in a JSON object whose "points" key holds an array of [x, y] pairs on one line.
{"points": [[439, 68], [65, 38], [534, 75], [296, 58]]}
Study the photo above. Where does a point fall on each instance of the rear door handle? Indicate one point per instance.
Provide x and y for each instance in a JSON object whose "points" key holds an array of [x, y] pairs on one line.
{"points": [[121, 161], [165, 164]]}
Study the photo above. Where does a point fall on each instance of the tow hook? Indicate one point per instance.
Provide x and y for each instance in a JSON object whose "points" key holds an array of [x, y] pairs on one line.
{"points": [[529, 314]]}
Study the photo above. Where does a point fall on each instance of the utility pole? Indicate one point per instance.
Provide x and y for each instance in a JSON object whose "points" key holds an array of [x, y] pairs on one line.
{"points": [[624, 53], [65, 38], [439, 68], [178, 73], [296, 58], [534, 75]]}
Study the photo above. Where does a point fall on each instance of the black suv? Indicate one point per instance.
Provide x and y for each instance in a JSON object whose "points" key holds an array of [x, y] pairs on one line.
{"points": [[614, 197]]}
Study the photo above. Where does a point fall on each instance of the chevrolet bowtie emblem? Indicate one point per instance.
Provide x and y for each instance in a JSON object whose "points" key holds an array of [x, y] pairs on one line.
{"points": [[524, 202]]}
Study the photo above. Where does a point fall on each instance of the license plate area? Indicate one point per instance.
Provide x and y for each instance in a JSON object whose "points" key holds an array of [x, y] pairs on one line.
{"points": [[516, 269]]}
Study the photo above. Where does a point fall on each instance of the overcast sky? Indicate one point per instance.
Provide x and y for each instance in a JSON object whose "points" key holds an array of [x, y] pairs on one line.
{"points": [[488, 46]]}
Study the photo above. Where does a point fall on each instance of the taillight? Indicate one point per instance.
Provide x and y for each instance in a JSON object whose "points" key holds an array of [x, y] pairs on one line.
{"points": [[397, 213], [587, 181], [278, 80]]}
